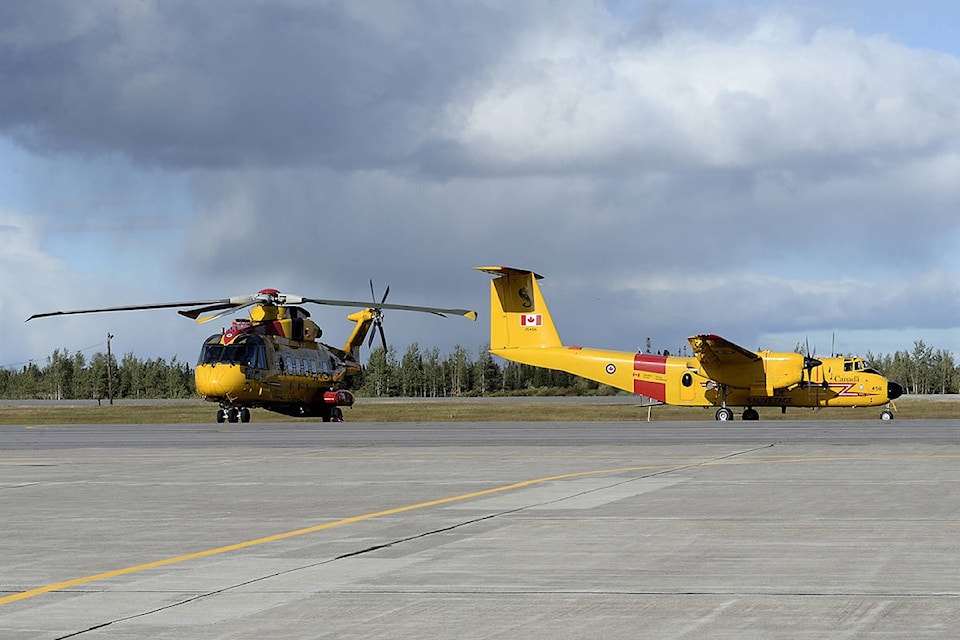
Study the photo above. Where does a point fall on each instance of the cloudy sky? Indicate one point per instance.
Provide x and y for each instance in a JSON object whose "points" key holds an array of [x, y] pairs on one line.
{"points": [[775, 172]]}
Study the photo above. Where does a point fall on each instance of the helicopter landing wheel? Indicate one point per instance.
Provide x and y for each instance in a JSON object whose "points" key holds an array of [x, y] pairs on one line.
{"points": [[244, 415], [221, 416]]}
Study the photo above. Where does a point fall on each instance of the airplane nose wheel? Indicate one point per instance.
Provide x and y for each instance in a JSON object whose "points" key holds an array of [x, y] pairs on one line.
{"points": [[724, 414]]}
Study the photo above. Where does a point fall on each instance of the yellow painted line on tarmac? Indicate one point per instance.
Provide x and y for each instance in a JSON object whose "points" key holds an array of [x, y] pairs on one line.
{"points": [[761, 459], [23, 595]]}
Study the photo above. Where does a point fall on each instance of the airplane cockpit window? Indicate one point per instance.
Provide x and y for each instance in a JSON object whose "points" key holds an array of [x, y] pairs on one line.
{"points": [[868, 368]]}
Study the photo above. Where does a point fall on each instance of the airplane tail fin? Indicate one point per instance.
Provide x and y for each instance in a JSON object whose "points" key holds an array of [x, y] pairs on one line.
{"points": [[518, 314]]}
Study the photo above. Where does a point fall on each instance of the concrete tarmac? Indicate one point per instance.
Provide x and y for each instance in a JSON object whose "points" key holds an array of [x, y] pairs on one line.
{"points": [[812, 529]]}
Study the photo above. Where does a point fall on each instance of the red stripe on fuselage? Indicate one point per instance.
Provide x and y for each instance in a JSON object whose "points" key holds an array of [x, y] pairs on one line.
{"points": [[647, 362], [650, 364]]}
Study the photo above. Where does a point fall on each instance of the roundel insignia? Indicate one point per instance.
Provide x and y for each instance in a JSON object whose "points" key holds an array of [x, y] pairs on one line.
{"points": [[611, 368]]}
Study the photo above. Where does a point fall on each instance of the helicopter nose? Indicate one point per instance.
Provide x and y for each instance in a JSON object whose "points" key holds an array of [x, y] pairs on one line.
{"points": [[219, 381], [894, 390]]}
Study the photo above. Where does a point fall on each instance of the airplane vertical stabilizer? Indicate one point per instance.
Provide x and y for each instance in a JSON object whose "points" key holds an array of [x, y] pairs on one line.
{"points": [[518, 315]]}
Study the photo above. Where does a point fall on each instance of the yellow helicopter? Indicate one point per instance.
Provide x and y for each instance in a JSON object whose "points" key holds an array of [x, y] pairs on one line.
{"points": [[274, 358], [722, 374]]}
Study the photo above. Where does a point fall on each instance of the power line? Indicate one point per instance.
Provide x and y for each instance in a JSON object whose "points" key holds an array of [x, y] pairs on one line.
{"points": [[17, 365]]}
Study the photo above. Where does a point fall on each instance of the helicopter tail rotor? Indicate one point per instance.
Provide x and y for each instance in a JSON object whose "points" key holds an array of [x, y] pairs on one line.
{"points": [[378, 317]]}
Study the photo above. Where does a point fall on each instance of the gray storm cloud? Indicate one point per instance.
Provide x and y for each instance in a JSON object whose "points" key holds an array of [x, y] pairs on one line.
{"points": [[632, 158]]}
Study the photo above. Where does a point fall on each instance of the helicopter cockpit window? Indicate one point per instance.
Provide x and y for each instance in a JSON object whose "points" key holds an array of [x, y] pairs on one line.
{"points": [[249, 353], [211, 353]]}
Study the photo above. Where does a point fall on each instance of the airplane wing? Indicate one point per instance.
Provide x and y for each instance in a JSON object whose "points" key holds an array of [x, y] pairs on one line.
{"points": [[714, 350]]}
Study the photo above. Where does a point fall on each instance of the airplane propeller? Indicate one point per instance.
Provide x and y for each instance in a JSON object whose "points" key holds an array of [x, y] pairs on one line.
{"points": [[809, 364]]}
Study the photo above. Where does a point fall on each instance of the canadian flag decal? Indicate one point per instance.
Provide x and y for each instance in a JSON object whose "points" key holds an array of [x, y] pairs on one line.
{"points": [[531, 320]]}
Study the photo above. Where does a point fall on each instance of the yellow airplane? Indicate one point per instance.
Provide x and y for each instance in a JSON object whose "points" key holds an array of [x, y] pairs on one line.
{"points": [[720, 374]]}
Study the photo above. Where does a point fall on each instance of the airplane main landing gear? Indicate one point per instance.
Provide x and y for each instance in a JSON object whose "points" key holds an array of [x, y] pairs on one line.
{"points": [[886, 414], [724, 413]]}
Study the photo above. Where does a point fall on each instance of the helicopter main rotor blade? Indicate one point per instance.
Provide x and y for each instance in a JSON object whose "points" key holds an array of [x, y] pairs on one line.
{"points": [[466, 313], [225, 312], [227, 306], [193, 314], [267, 297], [137, 307]]}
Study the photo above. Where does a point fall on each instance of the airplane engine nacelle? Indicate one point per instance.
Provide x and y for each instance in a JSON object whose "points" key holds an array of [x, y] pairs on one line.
{"points": [[339, 398], [783, 370]]}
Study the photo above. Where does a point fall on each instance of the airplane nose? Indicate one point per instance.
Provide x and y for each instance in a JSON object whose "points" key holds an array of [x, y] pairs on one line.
{"points": [[894, 390]]}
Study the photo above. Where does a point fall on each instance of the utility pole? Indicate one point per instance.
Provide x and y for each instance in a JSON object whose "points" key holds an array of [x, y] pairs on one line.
{"points": [[109, 372]]}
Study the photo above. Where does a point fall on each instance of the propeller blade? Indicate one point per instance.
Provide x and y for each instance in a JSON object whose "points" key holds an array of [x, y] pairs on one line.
{"points": [[383, 338], [373, 296]]}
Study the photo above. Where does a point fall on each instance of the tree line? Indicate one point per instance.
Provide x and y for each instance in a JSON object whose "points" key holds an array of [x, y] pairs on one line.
{"points": [[418, 373], [922, 370], [73, 376]]}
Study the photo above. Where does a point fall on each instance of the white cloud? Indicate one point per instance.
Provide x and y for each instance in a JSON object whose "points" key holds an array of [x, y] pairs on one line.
{"points": [[769, 95]]}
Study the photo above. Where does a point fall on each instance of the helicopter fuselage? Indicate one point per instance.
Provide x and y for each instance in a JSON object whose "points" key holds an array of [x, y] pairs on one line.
{"points": [[274, 361]]}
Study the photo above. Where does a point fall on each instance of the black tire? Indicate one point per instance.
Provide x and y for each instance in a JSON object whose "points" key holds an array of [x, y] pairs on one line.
{"points": [[724, 414]]}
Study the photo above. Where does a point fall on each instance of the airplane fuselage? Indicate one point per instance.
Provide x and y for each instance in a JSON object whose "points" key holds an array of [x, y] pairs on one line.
{"points": [[838, 382]]}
